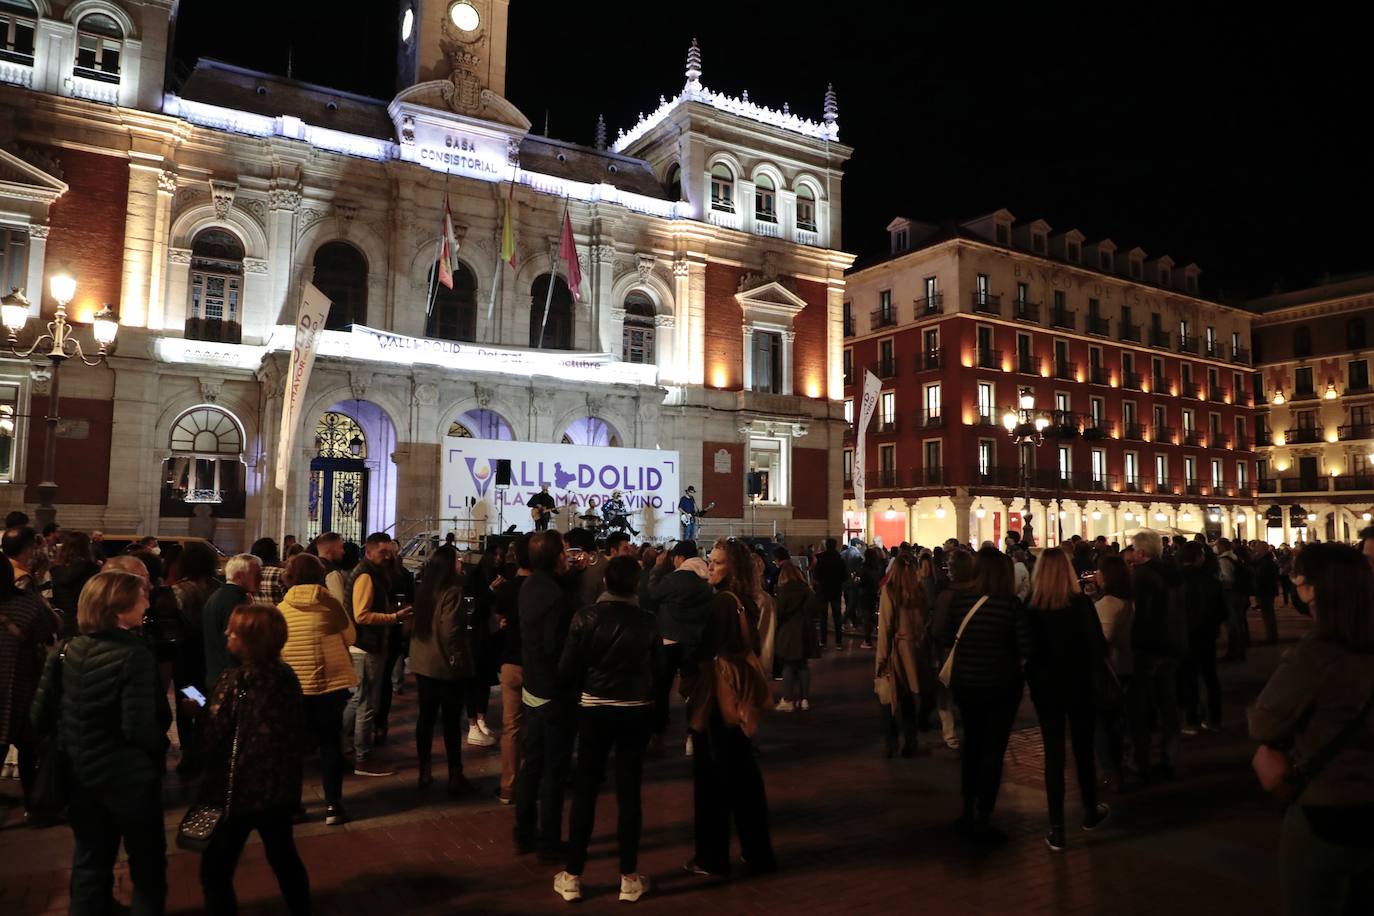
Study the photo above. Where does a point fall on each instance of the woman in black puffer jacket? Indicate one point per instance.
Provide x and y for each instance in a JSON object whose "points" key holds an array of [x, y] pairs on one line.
{"points": [[114, 744]]}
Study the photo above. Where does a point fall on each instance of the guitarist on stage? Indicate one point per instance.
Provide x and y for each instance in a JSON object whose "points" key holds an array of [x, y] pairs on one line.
{"points": [[543, 502], [688, 507]]}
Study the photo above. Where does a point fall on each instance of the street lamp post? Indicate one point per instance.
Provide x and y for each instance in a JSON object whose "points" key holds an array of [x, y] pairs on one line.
{"points": [[57, 344], [1025, 428]]}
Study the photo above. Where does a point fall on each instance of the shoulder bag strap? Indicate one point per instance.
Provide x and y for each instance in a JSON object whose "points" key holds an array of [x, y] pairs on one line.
{"points": [[1303, 774], [967, 617], [234, 751]]}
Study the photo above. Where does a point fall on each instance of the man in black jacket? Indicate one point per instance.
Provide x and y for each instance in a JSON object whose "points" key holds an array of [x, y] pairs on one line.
{"points": [[1266, 574], [612, 659], [545, 612], [1159, 642], [829, 578], [1206, 606], [682, 602]]}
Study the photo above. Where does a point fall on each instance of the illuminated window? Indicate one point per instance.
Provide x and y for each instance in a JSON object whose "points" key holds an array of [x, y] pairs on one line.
{"points": [[18, 22], [986, 402], [765, 200], [216, 287], [722, 188], [99, 42], [849, 411], [637, 340], [806, 209], [9, 428], [768, 458], [1216, 474], [206, 466], [1161, 471], [1132, 469]]}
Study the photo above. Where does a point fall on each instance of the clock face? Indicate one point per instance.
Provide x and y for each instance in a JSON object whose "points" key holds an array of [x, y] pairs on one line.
{"points": [[464, 15], [407, 24]]}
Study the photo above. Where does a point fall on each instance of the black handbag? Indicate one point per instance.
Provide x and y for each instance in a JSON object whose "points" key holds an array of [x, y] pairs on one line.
{"points": [[51, 791], [200, 822]]}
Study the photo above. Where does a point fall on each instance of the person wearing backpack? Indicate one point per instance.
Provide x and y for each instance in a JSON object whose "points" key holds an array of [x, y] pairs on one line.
{"points": [[1159, 638], [1237, 585]]}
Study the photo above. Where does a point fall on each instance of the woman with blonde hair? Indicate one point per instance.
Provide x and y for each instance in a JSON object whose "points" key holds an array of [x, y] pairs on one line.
{"points": [[901, 638], [1066, 636]]}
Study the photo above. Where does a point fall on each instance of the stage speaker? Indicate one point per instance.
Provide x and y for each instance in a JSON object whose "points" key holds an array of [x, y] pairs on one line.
{"points": [[502, 472], [754, 481]]}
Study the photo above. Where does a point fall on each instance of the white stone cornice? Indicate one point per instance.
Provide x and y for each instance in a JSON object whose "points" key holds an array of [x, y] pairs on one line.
{"points": [[255, 265]]}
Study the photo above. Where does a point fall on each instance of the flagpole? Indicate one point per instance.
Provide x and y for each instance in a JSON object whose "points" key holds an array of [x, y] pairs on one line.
{"points": [[553, 275]]}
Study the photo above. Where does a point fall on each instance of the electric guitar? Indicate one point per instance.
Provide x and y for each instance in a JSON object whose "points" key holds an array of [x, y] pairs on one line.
{"points": [[688, 518], [538, 513]]}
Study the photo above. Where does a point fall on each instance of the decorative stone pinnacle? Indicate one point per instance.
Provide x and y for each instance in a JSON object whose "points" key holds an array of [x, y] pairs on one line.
{"points": [[600, 141], [694, 63], [832, 107]]}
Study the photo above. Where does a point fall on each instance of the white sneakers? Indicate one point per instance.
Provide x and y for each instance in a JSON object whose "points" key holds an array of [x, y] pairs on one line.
{"points": [[479, 735], [632, 887], [784, 705], [805, 705], [569, 887]]}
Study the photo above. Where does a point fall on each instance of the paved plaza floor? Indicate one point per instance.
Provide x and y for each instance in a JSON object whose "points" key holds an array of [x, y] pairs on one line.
{"points": [[854, 833]]}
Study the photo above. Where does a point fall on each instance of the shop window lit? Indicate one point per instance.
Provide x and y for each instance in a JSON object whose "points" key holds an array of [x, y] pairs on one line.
{"points": [[9, 429], [768, 458]]}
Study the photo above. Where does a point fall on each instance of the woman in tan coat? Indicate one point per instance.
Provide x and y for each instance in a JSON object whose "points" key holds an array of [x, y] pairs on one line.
{"points": [[901, 635], [318, 634]]}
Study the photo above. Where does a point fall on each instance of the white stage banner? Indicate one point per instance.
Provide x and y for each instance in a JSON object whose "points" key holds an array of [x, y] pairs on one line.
{"points": [[872, 385], [310, 319], [646, 478]]}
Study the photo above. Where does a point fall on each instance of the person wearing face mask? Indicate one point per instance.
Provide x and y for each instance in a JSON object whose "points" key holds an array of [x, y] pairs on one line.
{"points": [[103, 704]]}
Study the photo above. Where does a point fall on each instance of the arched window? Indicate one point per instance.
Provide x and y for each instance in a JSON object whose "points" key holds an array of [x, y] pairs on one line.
{"points": [[454, 313], [99, 42], [341, 274], [722, 188], [338, 435], [557, 331], [216, 287], [806, 209], [591, 431], [765, 200], [675, 182], [206, 466], [638, 338], [1355, 334], [481, 424], [18, 23]]}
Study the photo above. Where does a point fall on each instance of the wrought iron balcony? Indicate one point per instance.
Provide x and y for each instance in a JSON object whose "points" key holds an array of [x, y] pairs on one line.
{"points": [[1194, 437], [1159, 338], [1129, 333], [1216, 394], [883, 478], [1303, 434], [1188, 345], [1160, 384], [1063, 369], [1130, 380], [1099, 326], [1164, 434], [930, 305], [1097, 375], [887, 425], [930, 418], [1356, 431], [986, 303], [931, 359], [1213, 349], [997, 477], [1025, 310], [1240, 355], [1241, 443], [1135, 431], [930, 477], [1187, 390], [1027, 364], [885, 368], [1193, 487], [989, 358], [882, 318], [1064, 318]]}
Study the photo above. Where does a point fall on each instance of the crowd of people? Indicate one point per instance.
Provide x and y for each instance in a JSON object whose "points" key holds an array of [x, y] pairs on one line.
{"points": [[293, 651]]}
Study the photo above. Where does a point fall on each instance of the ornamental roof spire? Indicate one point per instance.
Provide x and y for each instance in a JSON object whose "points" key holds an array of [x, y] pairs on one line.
{"points": [[694, 64], [600, 132], [832, 107]]}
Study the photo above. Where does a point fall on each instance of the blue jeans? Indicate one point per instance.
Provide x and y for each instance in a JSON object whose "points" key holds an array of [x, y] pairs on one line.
{"points": [[689, 530], [100, 820], [360, 715], [543, 776]]}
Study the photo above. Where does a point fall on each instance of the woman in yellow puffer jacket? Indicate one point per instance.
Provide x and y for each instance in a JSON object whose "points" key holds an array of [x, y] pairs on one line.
{"points": [[318, 634]]}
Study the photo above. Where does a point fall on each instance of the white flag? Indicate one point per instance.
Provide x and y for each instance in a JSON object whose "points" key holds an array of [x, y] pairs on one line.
{"points": [[872, 385], [310, 321]]}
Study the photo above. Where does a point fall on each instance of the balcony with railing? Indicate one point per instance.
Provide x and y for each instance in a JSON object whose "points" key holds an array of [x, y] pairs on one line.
{"points": [[848, 481], [1064, 318], [1063, 369], [1099, 326], [1129, 333], [1356, 431], [931, 359], [850, 431], [1097, 375], [1193, 487], [886, 425], [1133, 485], [1130, 381], [1186, 390], [1101, 483], [1194, 437], [881, 479], [997, 477], [213, 329], [1241, 443], [849, 326], [1135, 431], [1188, 345], [1159, 338], [1165, 434], [882, 318], [1347, 482], [1027, 364], [986, 303], [1213, 349], [929, 305], [1240, 355], [885, 368], [986, 416], [989, 358], [930, 419], [1159, 384], [1096, 429], [1216, 394], [1302, 435], [1306, 393], [929, 477], [1025, 310]]}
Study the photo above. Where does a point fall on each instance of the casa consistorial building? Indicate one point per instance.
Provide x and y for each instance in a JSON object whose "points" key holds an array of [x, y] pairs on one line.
{"points": [[704, 325]]}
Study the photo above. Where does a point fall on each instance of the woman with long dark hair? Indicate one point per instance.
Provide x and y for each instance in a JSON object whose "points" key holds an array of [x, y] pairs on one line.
{"points": [[901, 638], [1315, 721], [441, 660], [1115, 606], [1066, 636], [74, 568], [727, 700]]}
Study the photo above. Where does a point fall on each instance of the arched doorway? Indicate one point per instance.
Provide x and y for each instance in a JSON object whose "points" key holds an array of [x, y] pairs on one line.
{"points": [[454, 313], [591, 431], [481, 424], [338, 493], [341, 274], [557, 332]]}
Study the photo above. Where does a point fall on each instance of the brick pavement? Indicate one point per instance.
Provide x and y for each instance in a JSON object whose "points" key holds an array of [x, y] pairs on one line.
{"points": [[854, 833]]}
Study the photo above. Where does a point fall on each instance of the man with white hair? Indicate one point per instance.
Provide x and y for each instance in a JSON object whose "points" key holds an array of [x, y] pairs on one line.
{"points": [[1159, 639], [243, 574]]}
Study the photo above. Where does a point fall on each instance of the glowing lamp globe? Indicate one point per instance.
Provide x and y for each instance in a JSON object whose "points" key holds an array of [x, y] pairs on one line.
{"points": [[14, 310], [105, 326], [62, 286]]}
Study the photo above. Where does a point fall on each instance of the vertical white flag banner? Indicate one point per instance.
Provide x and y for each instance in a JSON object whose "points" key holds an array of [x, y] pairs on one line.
{"points": [[310, 321], [872, 385]]}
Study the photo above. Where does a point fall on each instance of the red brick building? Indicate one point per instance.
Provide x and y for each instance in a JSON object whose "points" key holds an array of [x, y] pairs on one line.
{"points": [[1143, 386]]}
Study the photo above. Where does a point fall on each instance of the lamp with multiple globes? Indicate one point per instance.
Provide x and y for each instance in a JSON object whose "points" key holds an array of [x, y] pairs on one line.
{"points": [[57, 344]]}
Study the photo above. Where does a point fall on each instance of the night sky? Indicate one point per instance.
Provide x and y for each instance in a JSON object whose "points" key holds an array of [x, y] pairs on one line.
{"points": [[1237, 144]]}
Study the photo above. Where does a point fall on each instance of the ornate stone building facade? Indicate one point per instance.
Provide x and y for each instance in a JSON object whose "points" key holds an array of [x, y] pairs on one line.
{"points": [[707, 320]]}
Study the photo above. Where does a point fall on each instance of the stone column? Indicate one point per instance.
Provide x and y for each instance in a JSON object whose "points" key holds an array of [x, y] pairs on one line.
{"points": [[665, 349], [38, 253], [283, 202], [603, 309], [1287, 529], [1081, 529], [748, 332], [689, 280], [1115, 517], [140, 229], [135, 471], [162, 230], [176, 299], [963, 508], [789, 337]]}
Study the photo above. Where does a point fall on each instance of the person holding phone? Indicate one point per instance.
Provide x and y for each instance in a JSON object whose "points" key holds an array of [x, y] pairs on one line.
{"points": [[369, 606]]}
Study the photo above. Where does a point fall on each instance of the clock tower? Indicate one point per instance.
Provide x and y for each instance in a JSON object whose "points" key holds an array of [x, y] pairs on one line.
{"points": [[462, 42]]}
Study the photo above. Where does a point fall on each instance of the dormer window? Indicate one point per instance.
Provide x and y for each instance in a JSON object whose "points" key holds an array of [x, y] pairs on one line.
{"points": [[99, 42], [900, 241], [722, 188], [1164, 276], [1038, 242], [806, 209], [1105, 260], [18, 23], [1190, 283], [1002, 233], [1135, 268], [1073, 252], [765, 200]]}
